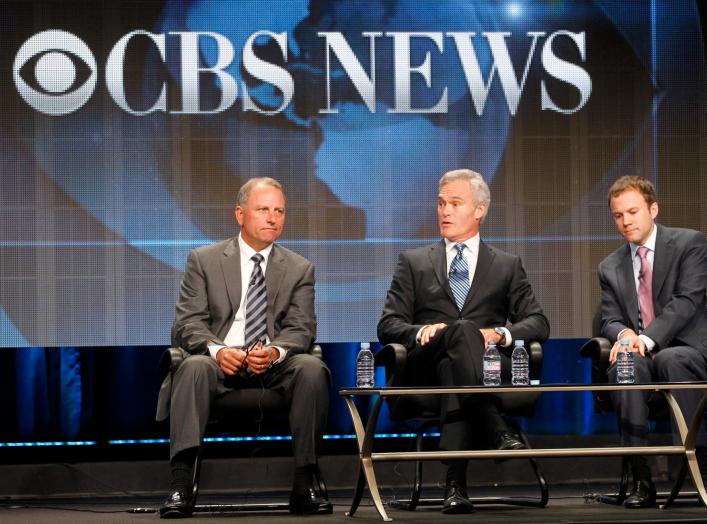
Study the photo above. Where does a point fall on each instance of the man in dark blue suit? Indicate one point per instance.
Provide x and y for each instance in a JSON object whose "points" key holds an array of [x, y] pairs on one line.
{"points": [[653, 294], [446, 301]]}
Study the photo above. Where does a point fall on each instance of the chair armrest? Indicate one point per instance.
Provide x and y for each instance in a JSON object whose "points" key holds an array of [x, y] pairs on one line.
{"points": [[535, 352], [598, 349], [393, 357], [172, 358], [317, 351], [170, 361]]}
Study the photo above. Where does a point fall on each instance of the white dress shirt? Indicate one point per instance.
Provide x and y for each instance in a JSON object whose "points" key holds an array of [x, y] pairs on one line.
{"points": [[471, 254], [235, 338]]}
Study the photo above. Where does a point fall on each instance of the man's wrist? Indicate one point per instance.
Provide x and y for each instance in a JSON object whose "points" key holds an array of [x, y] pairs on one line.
{"points": [[502, 336]]}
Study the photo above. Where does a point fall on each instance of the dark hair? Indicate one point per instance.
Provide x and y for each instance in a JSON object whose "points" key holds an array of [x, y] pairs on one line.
{"points": [[637, 183]]}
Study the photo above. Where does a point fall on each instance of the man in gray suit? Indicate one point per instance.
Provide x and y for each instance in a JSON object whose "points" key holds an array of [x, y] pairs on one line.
{"points": [[449, 299], [653, 294], [245, 315]]}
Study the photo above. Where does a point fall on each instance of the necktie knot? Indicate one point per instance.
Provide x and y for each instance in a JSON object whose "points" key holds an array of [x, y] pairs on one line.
{"points": [[642, 252], [257, 258], [460, 248]]}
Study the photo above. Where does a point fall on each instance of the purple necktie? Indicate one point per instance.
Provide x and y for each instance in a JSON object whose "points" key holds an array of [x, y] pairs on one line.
{"points": [[645, 288]]}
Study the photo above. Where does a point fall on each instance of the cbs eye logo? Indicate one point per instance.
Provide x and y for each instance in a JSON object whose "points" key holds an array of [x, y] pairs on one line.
{"points": [[55, 72]]}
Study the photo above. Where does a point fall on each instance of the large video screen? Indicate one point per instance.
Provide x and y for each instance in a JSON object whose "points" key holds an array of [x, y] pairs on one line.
{"points": [[127, 128]]}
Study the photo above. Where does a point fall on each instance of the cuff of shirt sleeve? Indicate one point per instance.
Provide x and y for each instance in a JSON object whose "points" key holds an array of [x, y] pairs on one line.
{"points": [[508, 338], [649, 342], [283, 354], [621, 334], [215, 349], [419, 334]]}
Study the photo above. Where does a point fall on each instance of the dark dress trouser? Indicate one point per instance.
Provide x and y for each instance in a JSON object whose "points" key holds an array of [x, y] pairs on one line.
{"points": [[672, 364], [303, 379], [455, 358]]}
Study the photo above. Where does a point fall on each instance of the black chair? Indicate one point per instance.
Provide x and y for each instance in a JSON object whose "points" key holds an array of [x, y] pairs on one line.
{"points": [[265, 407], [422, 412], [598, 350]]}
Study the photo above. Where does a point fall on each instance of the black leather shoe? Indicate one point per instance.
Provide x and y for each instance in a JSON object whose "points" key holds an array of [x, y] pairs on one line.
{"points": [[642, 496], [455, 500], [178, 505], [506, 440], [309, 501]]}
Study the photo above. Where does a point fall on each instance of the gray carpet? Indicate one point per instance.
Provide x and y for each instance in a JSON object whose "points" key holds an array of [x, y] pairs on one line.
{"points": [[569, 504]]}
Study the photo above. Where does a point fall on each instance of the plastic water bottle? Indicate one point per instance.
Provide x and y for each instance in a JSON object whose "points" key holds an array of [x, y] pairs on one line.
{"points": [[492, 366], [364, 367], [519, 369], [625, 368]]}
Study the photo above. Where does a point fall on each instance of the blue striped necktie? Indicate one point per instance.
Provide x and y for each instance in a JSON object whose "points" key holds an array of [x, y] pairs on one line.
{"points": [[459, 277], [256, 305]]}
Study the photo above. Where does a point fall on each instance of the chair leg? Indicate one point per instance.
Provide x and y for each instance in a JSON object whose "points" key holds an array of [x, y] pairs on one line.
{"points": [[322, 484], [678, 484], [544, 491], [417, 486], [619, 497], [196, 472], [410, 505]]}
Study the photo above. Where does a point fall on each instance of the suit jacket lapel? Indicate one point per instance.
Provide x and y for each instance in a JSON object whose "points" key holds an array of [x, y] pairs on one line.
{"points": [[438, 258], [627, 284], [484, 262], [661, 263], [231, 267], [274, 275]]}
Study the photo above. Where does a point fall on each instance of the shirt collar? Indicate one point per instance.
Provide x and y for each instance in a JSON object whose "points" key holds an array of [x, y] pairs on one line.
{"points": [[247, 252], [650, 243], [472, 244]]}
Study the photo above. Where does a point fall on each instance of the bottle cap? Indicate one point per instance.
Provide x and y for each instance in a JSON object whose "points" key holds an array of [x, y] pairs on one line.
{"points": [[520, 342], [623, 342], [365, 345]]}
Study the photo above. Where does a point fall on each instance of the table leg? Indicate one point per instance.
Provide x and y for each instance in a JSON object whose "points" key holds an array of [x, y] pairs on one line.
{"points": [[364, 438], [688, 436]]}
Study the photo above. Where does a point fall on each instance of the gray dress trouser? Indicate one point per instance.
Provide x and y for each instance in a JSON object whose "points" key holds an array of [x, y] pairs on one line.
{"points": [[302, 378]]}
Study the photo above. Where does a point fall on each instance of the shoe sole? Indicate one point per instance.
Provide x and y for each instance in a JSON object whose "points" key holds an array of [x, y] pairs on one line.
{"points": [[324, 510], [174, 514], [458, 510]]}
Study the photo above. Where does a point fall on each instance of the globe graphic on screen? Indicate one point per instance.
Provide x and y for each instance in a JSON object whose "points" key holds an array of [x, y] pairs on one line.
{"points": [[382, 166]]}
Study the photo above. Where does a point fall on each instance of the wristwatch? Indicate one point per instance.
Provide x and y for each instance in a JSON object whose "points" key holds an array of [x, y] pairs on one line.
{"points": [[501, 332]]}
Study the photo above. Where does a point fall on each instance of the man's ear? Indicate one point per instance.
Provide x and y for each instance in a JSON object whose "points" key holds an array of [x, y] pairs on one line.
{"points": [[654, 210]]}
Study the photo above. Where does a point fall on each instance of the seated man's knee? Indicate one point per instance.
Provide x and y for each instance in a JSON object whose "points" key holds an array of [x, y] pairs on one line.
{"points": [[197, 366], [311, 368], [674, 363]]}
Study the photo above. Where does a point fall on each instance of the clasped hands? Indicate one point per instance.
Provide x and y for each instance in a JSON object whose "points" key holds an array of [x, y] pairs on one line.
{"points": [[635, 344], [430, 331], [258, 359]]}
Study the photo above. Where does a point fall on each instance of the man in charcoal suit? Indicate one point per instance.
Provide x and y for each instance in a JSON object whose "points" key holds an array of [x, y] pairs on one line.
{"points": [[245, 315], [449, 299], [653, 294]]}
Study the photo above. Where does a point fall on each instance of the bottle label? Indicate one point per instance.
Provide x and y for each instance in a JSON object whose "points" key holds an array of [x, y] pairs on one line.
{"points": [[492, 366]]}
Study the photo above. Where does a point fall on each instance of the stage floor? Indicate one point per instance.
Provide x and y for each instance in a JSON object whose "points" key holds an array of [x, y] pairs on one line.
{"points": [[568, 504]]}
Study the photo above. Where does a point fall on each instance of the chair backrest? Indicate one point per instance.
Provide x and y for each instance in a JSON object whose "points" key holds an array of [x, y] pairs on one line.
{"points": [[598, 349]]}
